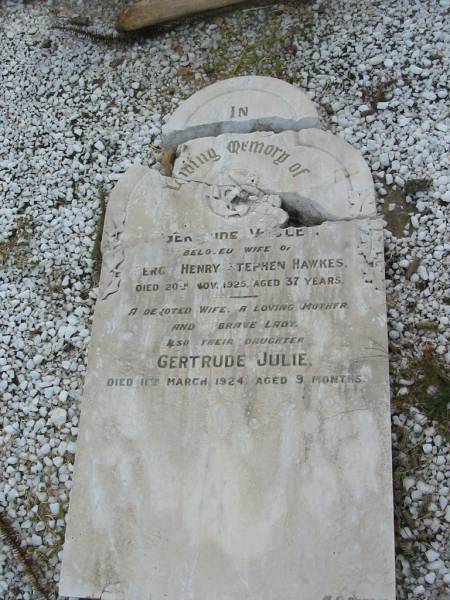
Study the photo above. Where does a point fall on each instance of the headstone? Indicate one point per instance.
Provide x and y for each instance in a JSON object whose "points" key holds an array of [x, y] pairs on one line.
{"points": [[235, 429], [240, 105], [235, 432], [318, 176]]}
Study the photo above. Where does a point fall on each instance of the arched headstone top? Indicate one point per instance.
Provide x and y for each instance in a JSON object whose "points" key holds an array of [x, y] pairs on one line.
{"points": [[241, 105], [318, 175]]}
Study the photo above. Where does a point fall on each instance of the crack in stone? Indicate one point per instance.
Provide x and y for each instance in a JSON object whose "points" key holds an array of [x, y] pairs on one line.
{"points": [[272, 124]]}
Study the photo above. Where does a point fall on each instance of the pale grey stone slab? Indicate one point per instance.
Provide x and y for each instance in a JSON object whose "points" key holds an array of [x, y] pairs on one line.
{"points": [[263, 488], [240, 104], [318, 176]]}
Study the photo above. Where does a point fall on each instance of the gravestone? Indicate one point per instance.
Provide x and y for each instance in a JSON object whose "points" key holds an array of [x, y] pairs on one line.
{"points": [[235, 431], [318, 176], [240, 105]]}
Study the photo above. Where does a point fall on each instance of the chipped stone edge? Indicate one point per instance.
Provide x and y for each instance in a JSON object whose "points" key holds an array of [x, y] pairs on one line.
{"points": [[271, 124], [121, 198], [115, 218], [303, 107]]}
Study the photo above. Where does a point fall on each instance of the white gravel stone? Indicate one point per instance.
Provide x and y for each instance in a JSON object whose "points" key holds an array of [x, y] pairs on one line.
{"points": [[58, 416], [45, 449], [36, 540], [430, 578], [54, 508], [432, 555]]}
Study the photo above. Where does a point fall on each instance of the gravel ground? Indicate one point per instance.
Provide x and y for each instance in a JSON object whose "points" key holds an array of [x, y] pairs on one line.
{"points": [[77, 110]]}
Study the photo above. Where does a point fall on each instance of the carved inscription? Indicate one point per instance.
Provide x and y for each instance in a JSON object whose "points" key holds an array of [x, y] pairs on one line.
{"points": [[277, 155], [239, 111], [244, 306]]}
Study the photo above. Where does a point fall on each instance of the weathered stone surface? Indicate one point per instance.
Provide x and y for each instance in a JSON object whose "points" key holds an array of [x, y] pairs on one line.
{"points": [[318, 176], [240, 104], [144, 203], [234, 440]]}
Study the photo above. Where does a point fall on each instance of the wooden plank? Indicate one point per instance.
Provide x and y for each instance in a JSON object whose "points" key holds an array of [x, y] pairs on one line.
{"points": [[152, 12]]}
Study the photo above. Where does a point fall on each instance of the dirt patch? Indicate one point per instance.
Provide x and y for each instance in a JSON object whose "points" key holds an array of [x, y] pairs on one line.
{"points": [[397, 213]]}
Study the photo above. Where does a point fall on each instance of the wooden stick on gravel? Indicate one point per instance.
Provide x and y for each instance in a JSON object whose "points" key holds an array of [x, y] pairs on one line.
{"points": [[151, 12]]}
